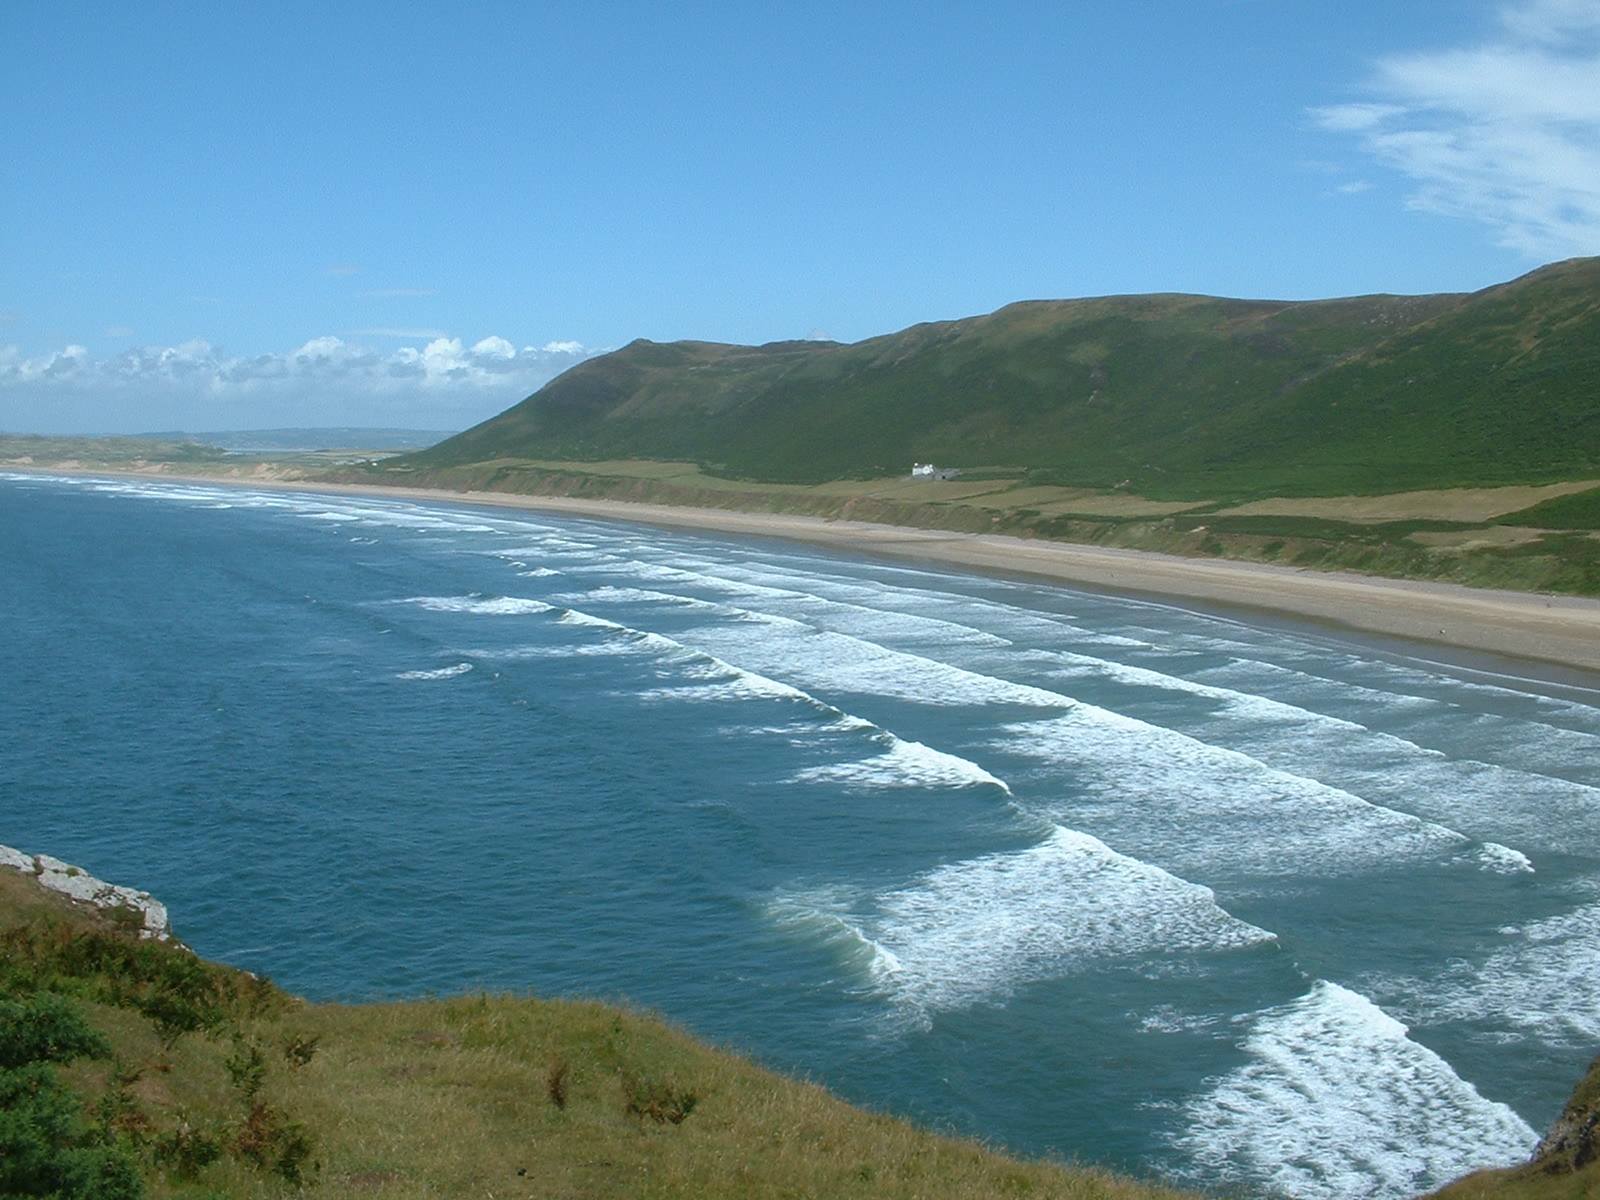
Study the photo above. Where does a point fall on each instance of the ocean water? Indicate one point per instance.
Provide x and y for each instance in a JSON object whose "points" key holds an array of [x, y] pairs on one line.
{"points": [[1079, 874]]}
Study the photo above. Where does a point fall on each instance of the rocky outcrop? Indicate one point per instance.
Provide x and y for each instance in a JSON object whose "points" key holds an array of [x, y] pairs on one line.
{"points": [[1574, 1140], [138, 909]]}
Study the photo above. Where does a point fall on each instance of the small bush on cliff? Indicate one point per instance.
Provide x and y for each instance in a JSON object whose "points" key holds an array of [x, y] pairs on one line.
{"points": [[662, 1100], [46, 1148], [174, 989]]}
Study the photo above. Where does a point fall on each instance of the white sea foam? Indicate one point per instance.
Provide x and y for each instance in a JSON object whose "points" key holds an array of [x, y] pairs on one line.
{"points": [[1503, 860], [972, 931], [706, 678], [1199, 809], [904, 764], [1333, 825], [842, 604], [440, 673], [1194, 806], [1484, 800], [1407, 777], [1337, 1103], [490, 606], [1478, 788], [822, 661], [715, 681], [610, 594], [1545, 982], [1165, 1018], [573, 616], [1480, 799], [1550, 981], [786, 646], [1496, 715]]}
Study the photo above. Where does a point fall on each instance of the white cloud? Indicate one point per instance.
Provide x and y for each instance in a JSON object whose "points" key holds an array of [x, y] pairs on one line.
{"points": [[495, 347], [1507, 133], [1552, 21], [444, 384], [1357, 118]]}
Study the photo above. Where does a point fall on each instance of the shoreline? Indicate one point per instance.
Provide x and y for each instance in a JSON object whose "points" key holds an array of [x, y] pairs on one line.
{"points": [[1560, 630]]}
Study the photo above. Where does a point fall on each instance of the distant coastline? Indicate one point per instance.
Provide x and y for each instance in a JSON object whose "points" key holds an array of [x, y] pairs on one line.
{"points": [[1562, 630]]}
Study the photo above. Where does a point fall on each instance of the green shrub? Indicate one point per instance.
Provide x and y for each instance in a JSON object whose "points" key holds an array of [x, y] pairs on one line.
{"points": [[273, 1142], [174, 989], [46, 1148], [662, 1100], [300, 1050], [187, 1149], [247, 1068], [46, 1029]]}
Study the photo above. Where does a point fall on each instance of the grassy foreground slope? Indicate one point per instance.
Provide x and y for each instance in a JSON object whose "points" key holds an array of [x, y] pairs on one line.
{"points": [[219, 1084], [1173, 397]]}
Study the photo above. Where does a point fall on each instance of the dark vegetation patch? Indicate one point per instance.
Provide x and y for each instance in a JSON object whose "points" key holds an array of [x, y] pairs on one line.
{"points": [[56, 966], [178, 992], [1581, 510]]}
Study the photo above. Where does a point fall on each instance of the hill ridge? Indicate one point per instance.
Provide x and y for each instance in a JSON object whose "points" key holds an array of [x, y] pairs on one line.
{"points": [[1176, 395]]}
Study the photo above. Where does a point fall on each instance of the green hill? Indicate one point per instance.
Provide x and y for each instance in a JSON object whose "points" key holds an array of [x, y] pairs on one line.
{"points": [[1183, 397]]}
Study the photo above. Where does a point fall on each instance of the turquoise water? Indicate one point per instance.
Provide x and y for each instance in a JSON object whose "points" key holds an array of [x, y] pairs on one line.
{"points": [[1080, 874]]}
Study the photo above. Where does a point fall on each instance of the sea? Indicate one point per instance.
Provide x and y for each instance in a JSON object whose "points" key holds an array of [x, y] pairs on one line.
{"points": [[1193, 895]]}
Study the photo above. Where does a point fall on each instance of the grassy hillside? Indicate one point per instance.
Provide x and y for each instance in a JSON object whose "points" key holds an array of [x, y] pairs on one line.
{"points": [[1181, 397], [213, 1083]]}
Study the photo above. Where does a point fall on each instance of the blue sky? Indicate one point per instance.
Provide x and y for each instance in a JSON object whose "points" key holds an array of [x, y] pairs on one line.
{"points": [[414, 215]]}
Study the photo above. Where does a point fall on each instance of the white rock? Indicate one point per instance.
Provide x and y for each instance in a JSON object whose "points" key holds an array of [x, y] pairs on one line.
{"points": [[73, 881], [15, 858]]}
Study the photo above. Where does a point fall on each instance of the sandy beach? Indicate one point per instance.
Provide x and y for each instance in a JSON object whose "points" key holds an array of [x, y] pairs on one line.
{"points": [[1563, 630]]}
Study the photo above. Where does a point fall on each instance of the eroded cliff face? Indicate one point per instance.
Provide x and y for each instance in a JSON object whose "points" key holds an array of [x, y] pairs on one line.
{"points": [[1574, 1140], [138, 909]]}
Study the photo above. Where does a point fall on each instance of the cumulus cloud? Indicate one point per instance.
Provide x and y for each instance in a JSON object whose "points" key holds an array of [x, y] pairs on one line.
{"points": [[442, 384], [1507, 132]]}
